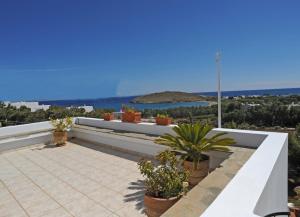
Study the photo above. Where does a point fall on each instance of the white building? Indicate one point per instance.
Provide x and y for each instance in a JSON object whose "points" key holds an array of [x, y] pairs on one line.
{"points": [[34, 106], [87, 108]]}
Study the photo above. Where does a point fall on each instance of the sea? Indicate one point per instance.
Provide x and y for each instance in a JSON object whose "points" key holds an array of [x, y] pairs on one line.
{"points": [[116, 103]]}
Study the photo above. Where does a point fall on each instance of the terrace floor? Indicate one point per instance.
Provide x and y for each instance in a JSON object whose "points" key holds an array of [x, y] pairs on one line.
{"points": [[79, 180]]}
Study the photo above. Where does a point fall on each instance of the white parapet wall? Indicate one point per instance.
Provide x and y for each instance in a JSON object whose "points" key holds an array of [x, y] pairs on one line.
{"points": [[145, 147], [245, 139], [258, 189], [13, 137], [24, 129], [139, 146], [260, 186], [146, 128]]}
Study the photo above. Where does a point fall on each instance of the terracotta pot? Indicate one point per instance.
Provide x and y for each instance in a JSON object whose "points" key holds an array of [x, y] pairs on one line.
{"points": [[195, 176], [131, 117], [60, 138], [108, 117], [294, 212], [163, 121], [155, 207]]}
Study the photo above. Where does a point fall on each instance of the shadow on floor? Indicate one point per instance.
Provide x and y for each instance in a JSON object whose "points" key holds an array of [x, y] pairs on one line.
{"points": [[107, 150], [50, 146], [137, 196]]}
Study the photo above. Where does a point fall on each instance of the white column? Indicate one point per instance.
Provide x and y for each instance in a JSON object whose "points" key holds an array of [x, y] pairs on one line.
{"points": [[218, 59]]}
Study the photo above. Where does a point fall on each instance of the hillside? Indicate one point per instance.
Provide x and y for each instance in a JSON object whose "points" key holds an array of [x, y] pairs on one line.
{"points": [[170, 97]]}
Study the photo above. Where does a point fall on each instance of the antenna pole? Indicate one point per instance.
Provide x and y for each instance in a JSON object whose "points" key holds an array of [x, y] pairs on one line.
{"points": [[218, 66]]}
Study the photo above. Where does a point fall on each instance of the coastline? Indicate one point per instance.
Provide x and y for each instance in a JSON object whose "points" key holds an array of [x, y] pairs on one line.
{"points": [[211, 103]]}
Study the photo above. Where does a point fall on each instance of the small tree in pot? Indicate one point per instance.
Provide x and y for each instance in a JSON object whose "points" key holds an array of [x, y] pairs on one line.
{"points": [[190, 142], [61, 126], [164, 184]]}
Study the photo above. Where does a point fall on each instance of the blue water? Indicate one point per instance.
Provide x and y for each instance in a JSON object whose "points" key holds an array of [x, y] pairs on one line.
{"points": [[117, 102], [271, 92]]}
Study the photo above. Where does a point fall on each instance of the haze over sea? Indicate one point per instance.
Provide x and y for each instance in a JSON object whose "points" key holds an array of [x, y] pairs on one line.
{"points": [[117, 102]]}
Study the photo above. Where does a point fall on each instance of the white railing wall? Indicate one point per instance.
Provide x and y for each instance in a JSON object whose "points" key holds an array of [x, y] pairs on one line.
{"points": [[19, 130], [146, 128], [259, 188]]}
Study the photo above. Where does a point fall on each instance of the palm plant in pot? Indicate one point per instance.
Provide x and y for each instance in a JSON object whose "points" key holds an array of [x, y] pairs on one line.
{"points": [[61, 126], [164, 183], [190, 141]]}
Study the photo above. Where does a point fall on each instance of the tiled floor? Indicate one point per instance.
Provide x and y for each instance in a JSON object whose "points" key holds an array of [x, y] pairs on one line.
{"points": [[79, 180]]}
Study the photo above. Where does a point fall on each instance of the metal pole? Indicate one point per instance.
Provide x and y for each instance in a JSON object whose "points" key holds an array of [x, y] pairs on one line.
{"points": [[218, 59]]}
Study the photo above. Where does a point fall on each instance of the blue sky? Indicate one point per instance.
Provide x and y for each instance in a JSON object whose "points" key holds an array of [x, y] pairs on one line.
{"points": [[59, 49]]}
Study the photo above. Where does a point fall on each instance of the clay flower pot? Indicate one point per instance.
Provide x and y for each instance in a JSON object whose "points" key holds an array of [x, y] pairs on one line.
{"points": [[131, 117], [163, 121], [108, 116], [60, 138], [155, 207], [196, 175]]}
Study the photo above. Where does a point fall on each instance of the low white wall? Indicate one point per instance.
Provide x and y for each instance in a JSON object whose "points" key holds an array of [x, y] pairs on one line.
{"points": [[18, 130], [13, 137], [243, 138], [141, 146], [31, 139], [260, 186], [146, 128]]}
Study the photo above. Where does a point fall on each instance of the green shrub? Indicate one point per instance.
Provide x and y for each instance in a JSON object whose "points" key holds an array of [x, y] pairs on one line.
{"points": [[191, 141], [62, 125], [165, 180], [162, 116]]}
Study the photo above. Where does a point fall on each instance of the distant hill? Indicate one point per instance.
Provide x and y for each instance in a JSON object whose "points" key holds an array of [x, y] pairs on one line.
{"points": [[171, 97]]}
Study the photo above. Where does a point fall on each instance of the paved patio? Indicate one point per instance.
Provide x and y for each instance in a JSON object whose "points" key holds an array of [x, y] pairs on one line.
{"points": [[80, 180]]}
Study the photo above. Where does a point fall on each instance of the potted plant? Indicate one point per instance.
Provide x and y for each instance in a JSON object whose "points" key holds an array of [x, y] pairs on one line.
{"points": [[164, 183], [131, 116], [61, 126], [108, 116], [190, 141], [163, 120]]}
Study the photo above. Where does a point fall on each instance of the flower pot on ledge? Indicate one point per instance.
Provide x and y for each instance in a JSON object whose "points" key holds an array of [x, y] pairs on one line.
{"points": [[155, 207], [164, 121], [108, 116], [196, 175], [60, 137], [131, 117]]}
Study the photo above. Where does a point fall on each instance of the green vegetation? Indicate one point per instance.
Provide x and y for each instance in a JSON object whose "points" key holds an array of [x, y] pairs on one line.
{"points": [[162, 115], [294, 159], [171, 97], [272, 113], [245, 113], [62, 124], [10, 115], [191, 141], [165, 180]]}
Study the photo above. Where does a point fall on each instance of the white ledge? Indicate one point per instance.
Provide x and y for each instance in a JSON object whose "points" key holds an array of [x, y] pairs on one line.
{"points": [[258, 189]]}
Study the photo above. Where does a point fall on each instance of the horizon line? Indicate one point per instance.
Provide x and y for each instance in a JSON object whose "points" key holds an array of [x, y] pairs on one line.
{"points": [[112, 97]]}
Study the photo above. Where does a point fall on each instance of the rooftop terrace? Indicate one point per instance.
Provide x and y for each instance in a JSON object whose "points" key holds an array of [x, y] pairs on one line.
{"points": [[79, 179], [96, 174]]}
